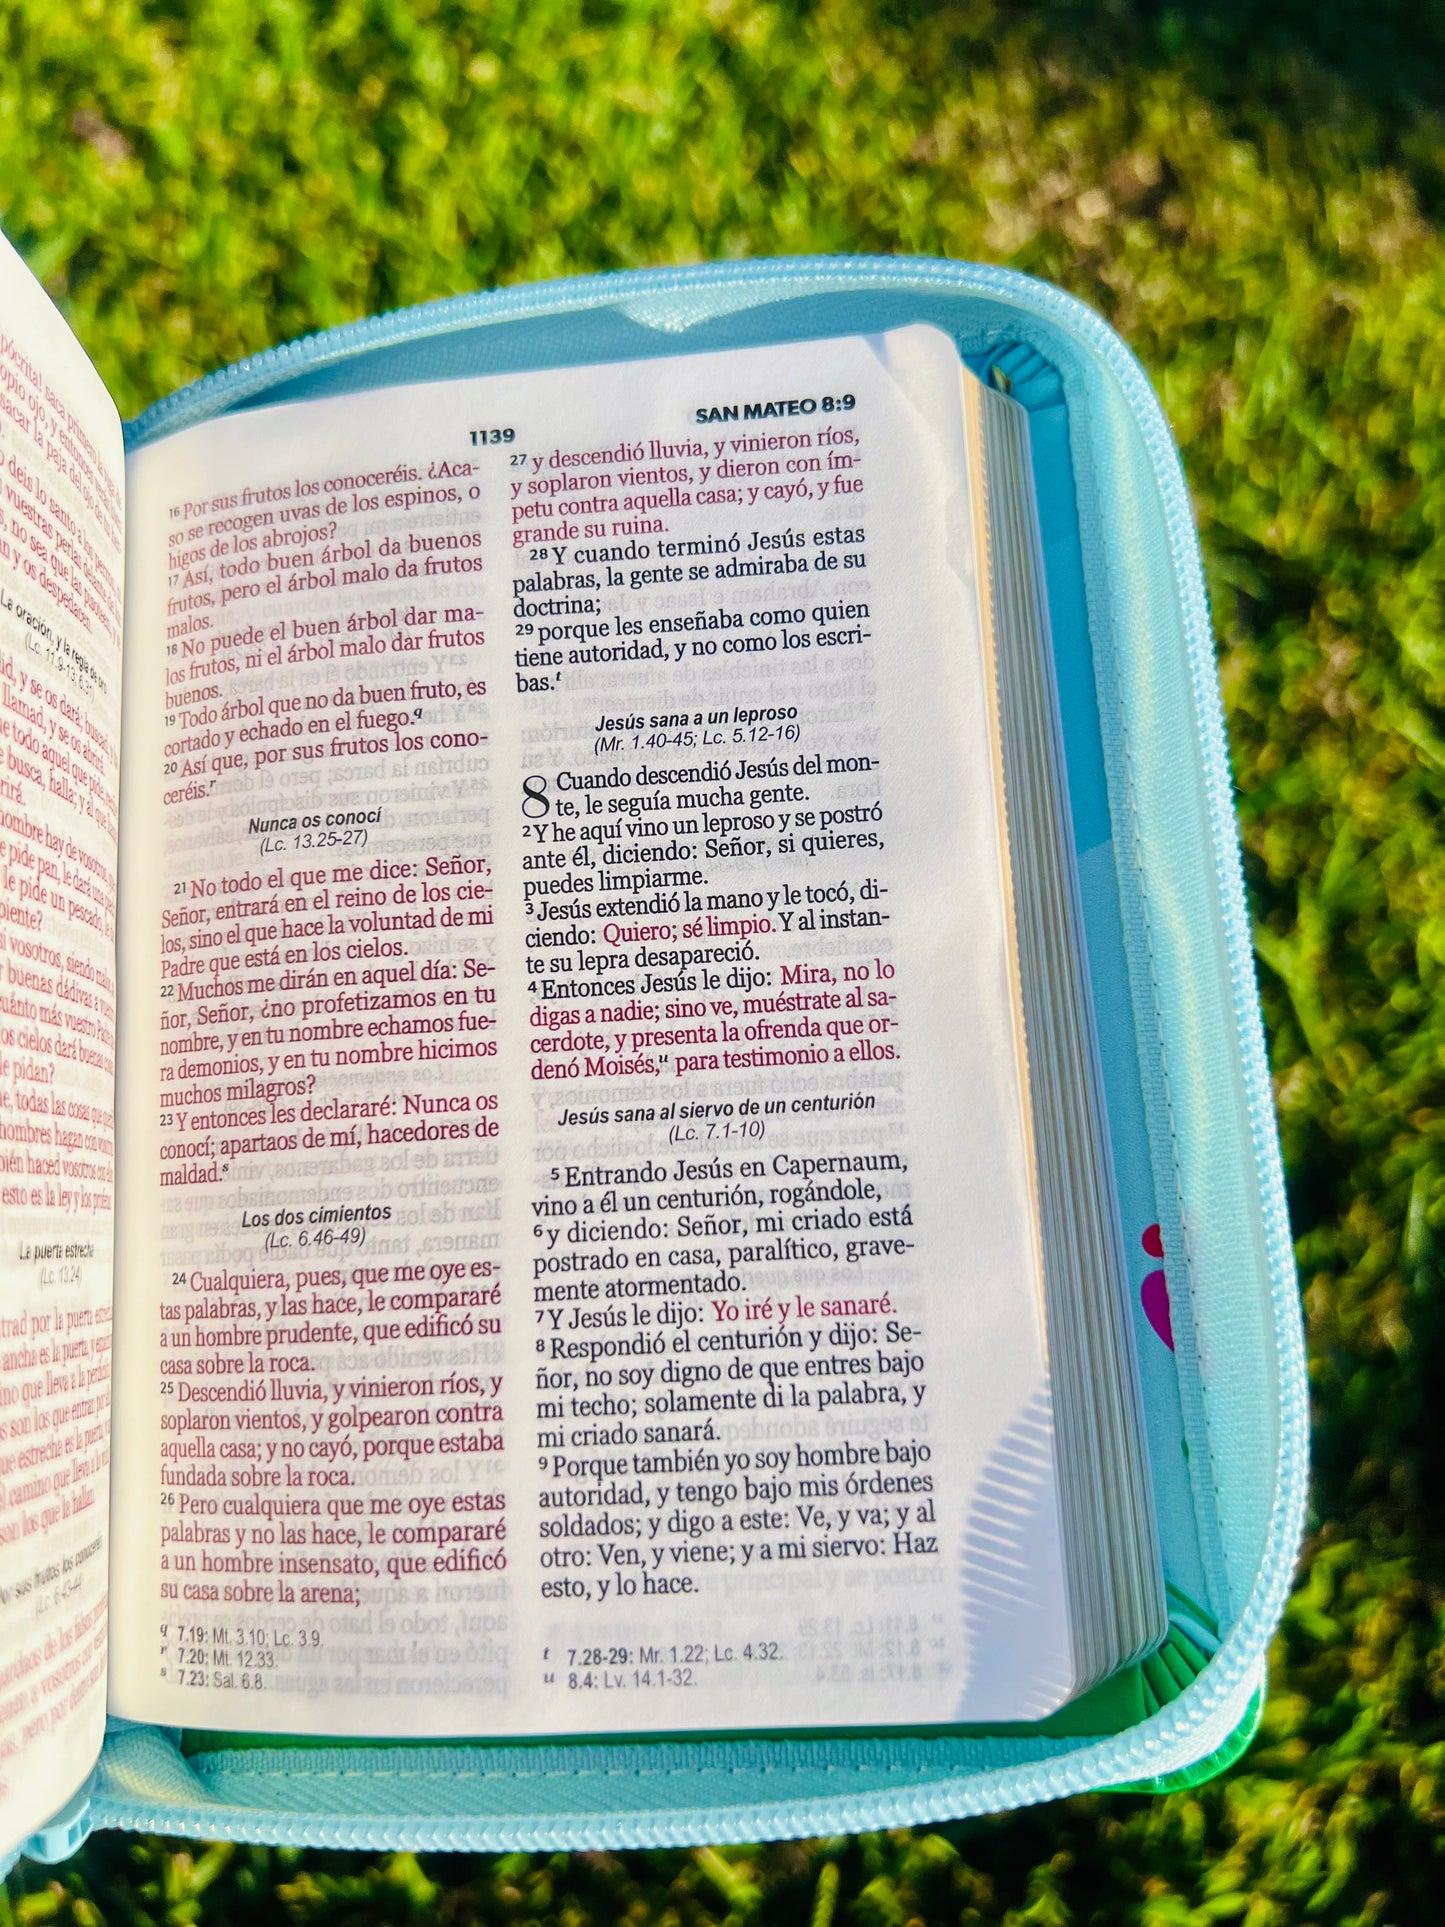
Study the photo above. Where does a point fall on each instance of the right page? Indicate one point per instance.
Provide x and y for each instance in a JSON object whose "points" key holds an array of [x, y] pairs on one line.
{"points": [[579, 1262]]}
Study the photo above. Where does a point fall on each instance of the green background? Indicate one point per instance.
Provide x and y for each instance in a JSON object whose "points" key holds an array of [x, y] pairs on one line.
{"points": [[1252, 195]]}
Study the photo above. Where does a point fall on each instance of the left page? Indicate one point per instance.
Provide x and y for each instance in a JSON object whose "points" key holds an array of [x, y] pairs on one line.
{"points": [[61, 562]]}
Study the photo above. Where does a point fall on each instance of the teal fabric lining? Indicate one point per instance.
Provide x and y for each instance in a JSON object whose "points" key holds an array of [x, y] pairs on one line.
{"points": [[1148, 779]]}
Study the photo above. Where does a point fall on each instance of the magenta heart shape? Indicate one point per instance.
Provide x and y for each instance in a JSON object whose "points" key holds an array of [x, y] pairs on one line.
{"points": [[1154, 1297]]}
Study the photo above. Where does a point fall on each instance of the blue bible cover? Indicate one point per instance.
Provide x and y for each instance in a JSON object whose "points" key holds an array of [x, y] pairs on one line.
{"points": [[1187, 1086]]}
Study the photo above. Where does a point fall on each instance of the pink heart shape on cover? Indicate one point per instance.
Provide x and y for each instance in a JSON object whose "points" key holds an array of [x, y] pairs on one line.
{"points": [[1154, 1297]]}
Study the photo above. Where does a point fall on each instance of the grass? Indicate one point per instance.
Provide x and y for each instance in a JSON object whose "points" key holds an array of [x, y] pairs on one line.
{"points": [[1253, 197]]}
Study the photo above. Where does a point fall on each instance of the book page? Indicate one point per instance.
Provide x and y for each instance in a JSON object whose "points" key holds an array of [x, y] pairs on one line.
{"points": [[60, 658], [579, 1265]]}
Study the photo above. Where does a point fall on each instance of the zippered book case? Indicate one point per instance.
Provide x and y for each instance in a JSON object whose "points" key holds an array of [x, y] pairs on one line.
{"points": [[1191, 1142]]}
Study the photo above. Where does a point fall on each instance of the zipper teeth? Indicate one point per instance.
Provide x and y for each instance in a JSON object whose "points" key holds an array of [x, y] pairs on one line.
{"points": [[1155, 1744], [946, 1799]]}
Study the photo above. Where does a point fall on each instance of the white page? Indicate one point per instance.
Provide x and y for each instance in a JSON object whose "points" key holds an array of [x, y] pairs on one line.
{"points": [[496, 1161], [60, 603]]}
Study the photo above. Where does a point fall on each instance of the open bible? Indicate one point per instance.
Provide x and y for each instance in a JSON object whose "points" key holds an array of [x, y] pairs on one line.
{"points": [[551, 1130]]}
